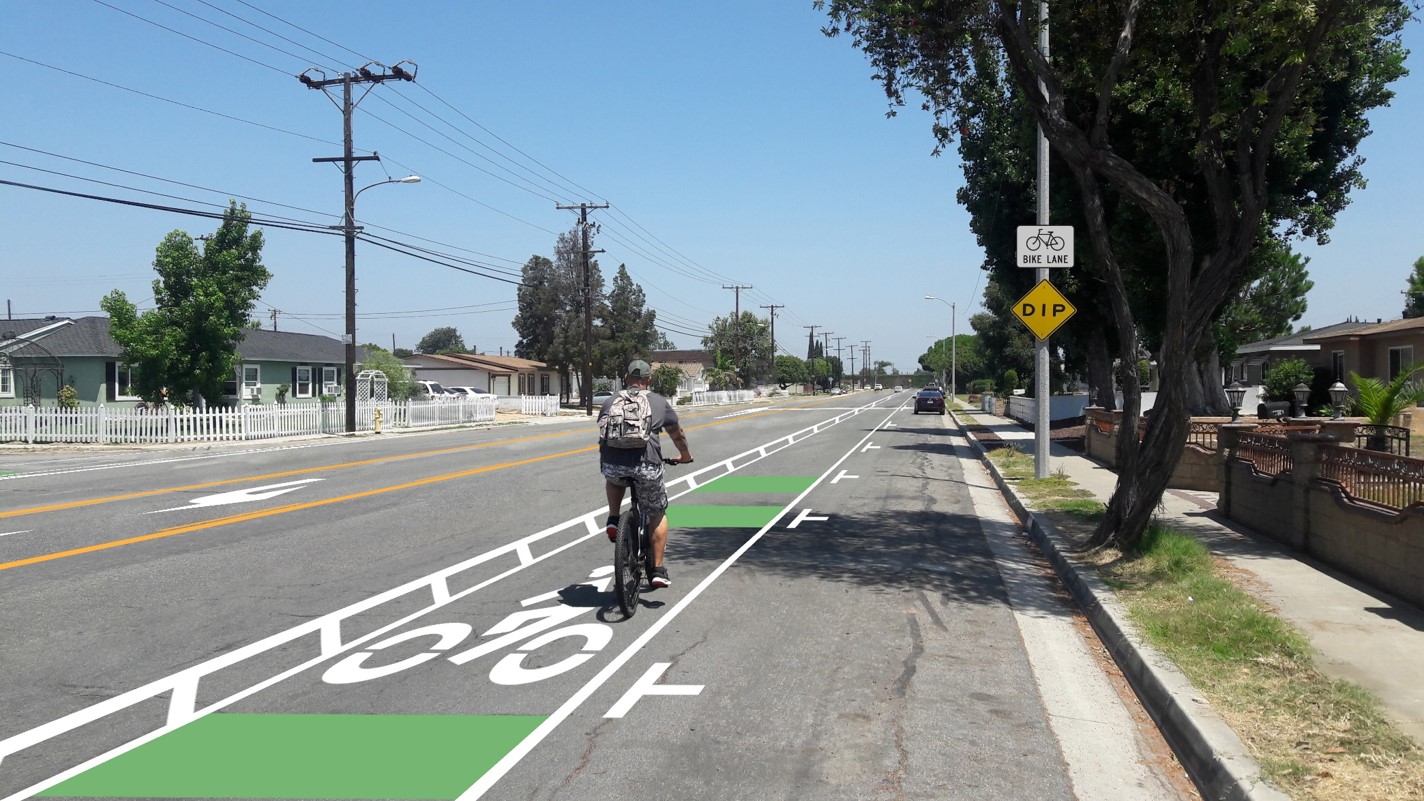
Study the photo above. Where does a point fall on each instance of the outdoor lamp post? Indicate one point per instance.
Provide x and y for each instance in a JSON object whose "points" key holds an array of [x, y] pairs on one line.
{"points": [[1302, 397], [1234, 394], [349, 226], [953, 347], [1338, 395]]}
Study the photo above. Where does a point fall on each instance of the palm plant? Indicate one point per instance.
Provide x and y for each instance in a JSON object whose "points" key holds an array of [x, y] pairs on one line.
{"points": [[1379, 403]]}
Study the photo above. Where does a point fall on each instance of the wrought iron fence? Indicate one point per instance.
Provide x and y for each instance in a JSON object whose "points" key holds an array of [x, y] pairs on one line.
{"points": [[1367, 475], [1389, 439], [1203, 435], [1268, 453]]}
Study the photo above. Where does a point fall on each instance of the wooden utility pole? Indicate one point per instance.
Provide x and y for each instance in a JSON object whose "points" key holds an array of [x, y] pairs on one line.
{"points": [[773, 307], [348, 161], [737, 326], [586, 380]]}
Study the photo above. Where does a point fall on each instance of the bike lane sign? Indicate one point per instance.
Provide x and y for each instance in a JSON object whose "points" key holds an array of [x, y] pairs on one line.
{"points": [[1045, 246]]}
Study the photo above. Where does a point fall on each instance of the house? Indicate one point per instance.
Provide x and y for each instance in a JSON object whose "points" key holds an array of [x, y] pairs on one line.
{"points": [[451, 371], [37, 357], [1253, 360], [1380, 350], [694, 365], [502, 375]]}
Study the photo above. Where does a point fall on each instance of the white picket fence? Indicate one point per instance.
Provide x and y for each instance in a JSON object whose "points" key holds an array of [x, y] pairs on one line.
{"points": [[543, 405], [720, 396], [124, 424]]}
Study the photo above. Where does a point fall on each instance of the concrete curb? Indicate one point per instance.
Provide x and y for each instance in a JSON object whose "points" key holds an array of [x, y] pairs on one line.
{"points": [[1212, 754]]}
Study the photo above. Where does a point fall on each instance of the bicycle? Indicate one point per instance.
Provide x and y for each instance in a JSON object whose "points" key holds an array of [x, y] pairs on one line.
{"points": [[1046, 239], [633, 553]]}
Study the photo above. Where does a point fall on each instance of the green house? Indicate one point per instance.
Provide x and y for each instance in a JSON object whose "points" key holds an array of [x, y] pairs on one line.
{"points": [[37, 357]]}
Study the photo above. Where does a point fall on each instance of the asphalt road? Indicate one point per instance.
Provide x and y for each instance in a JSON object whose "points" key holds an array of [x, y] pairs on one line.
{"points": [[429, 616]]}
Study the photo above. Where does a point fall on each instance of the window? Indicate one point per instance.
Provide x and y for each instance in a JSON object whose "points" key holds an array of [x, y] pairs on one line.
{"points": [[1337, 364], [251, 381], [1400, 360], [302, 382], [328, 381], [124, 383], [7, 378]]}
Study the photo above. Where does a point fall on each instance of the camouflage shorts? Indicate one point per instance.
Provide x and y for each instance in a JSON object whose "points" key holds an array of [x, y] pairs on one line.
{"points": [[647, 480]]}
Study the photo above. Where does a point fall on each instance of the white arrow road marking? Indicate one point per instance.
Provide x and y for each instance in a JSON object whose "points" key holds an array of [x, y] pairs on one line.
{"points": [[841, 475], [241, 496], [804, 516], [8, 533], [869, 447], [647, 686]]}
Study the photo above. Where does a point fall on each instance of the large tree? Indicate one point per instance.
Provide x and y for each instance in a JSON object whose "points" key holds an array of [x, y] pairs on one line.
{"points": [[441, 340], [630, 329], [745, 342], [1248, 86], [550, 320], [203, 297]]}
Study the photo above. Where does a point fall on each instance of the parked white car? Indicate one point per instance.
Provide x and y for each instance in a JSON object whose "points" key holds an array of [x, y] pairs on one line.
{"points": [[468, 392], [434, 390]]}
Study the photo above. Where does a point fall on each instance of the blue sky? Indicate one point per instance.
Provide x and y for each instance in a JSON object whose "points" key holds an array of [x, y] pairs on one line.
{"points": [[734, 141]]}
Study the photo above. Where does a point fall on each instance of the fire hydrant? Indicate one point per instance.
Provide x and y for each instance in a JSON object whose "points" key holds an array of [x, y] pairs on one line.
{"points": [[377, 418]]}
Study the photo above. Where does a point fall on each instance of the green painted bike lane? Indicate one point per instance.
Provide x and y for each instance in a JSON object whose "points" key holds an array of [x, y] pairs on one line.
{"points": [[429, 730]]}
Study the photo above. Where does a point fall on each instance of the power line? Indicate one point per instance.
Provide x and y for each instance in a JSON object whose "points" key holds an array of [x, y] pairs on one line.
{"points": [[180, 103], [233, 32], [193, 38]]}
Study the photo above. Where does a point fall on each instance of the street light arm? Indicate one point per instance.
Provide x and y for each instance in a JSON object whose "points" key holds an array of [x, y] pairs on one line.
{"points": [[409, 179]]}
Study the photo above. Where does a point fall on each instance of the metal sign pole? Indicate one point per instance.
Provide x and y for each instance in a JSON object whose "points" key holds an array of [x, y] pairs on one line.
{"points": [[1040, 350]]}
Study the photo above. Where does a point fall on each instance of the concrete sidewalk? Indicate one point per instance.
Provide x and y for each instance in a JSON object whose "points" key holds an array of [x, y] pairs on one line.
{"points": [[1359, 633], [1366, 636]]}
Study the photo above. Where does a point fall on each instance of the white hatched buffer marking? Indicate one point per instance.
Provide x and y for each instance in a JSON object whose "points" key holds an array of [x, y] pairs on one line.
{"points": [[182, 686]]}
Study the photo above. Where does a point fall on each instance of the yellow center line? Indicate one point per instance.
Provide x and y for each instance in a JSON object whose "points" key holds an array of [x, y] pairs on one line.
{"points": [[296, 507], [278, 510]]}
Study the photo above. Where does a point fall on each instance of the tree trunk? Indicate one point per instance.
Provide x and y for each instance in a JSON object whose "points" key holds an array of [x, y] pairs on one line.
{"points": [[1208, 397], [1100, 373]]}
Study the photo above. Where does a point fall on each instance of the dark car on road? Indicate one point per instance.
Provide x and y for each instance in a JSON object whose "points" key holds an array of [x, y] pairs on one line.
{"points": [[929, 400]]}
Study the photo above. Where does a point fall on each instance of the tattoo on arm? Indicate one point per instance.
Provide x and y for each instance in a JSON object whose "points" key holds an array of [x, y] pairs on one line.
{"points": [[678, 438]]}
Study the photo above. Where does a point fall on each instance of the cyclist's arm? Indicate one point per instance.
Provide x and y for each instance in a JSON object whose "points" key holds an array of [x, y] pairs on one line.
{"points": [[680, 440]]}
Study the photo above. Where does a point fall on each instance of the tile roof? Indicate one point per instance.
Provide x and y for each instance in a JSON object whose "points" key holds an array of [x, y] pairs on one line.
{"points": [[1298, 339], [1370, 329], [508, 362], [674, 356], [456, 360]]}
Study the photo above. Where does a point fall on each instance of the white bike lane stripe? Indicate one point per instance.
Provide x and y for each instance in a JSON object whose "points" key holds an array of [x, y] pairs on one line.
{"points": [[507, 763], [182, 687]]}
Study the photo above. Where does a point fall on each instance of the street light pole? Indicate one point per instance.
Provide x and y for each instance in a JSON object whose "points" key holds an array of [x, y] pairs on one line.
{"points": [[953, 346], [349, 226]]}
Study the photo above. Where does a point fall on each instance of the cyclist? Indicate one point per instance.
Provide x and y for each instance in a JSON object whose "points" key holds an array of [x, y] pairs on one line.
{"points": [[642, 466]]}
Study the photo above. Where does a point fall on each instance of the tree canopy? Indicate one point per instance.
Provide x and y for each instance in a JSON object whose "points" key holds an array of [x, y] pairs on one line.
{"points": [[629, 327], [1205, 124], [1414, 292], [186, 345], [442, 340]]}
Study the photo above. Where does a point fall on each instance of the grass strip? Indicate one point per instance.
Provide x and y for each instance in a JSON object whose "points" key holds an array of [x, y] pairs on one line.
{"points": [[1316, 738]]}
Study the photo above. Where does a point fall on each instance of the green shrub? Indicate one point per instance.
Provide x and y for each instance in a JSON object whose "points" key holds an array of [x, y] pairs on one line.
{"points": [[1011, 382], [1281, 379], [68, 397]]}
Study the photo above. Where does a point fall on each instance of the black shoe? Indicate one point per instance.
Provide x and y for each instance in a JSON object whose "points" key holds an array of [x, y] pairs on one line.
{"points": [[612, 528], [660, 578]]}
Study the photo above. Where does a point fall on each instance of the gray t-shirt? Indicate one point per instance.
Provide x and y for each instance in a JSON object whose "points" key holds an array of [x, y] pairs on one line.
{"points": [[663, 417]]}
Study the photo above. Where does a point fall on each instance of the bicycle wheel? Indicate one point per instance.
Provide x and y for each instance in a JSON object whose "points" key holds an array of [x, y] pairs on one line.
{"points": [[627, 564]]}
